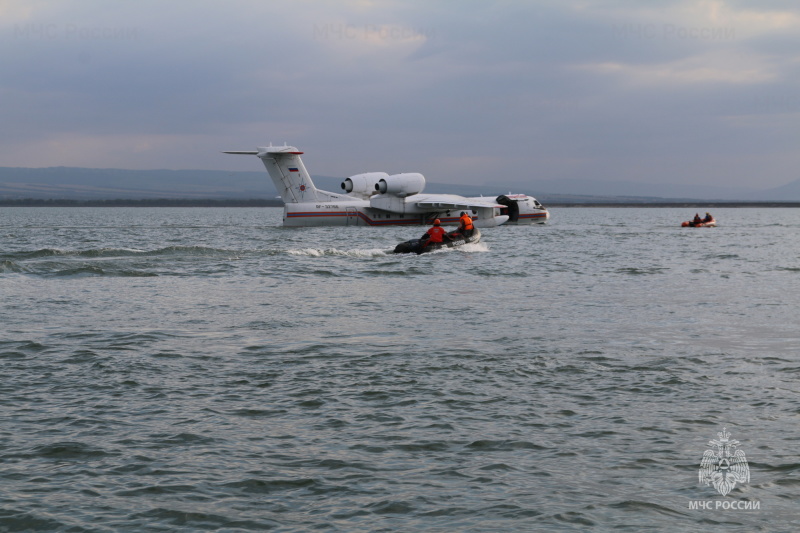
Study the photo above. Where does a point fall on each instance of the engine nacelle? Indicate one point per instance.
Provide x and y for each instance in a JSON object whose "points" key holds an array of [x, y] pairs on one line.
{"points": [[363, 184], [401, 185]]}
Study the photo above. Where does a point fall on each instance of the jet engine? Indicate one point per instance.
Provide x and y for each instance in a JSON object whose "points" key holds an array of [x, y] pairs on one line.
{"points": [[363, 184], [401, 185]]}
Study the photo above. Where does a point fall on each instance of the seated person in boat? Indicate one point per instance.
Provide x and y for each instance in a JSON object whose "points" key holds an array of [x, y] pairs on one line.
{"points": [[697, 219], [465, 226], [708, 218], [436, 234]]}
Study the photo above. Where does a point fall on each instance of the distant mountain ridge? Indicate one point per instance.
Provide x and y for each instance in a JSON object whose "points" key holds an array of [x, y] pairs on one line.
{"points": [[94, 183], [102, 183]]}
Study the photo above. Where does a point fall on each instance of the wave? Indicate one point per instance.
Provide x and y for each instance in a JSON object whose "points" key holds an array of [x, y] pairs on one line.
{"points": [[641, 271], [472, 247], [464, 248], [63, 269], [107, 261], [321, 252], [67, 450], [10, 262], [10, 266], [117, 252], [97, 271]]}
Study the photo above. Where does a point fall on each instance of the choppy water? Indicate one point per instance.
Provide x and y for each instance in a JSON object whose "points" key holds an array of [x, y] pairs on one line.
{"points": [[207, 370]]}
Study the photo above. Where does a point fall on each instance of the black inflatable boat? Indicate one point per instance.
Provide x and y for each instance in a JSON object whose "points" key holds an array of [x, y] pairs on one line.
{"points": [[416, 246]]}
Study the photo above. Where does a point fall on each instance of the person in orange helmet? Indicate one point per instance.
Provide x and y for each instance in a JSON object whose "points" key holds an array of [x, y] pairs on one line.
{"points": [[436, 234]]}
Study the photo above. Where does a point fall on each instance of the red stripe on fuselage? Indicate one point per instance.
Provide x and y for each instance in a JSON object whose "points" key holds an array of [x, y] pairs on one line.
{"points": [[301, 214]]}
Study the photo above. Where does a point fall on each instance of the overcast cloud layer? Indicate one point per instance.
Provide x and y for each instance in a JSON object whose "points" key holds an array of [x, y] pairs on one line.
{"points": [[662, 91]]}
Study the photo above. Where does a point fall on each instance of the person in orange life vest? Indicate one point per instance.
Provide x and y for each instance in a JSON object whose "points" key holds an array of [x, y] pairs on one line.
{"points": [[697, 219], [465, 226], [436, 233]]}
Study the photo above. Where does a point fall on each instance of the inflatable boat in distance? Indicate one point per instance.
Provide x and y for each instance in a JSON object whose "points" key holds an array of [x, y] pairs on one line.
{"points": [[703, 224]]}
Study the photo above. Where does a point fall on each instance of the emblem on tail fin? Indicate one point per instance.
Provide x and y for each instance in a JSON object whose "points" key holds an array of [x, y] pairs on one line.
{"points": [[724, 466]]}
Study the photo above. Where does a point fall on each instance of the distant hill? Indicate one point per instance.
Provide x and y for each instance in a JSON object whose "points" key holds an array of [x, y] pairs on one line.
{"points": [[100, 184], [788, 192], [585, 187]]}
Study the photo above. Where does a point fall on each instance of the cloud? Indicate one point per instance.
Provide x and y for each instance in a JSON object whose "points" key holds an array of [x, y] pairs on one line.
{"points": [[716, 67], [573, 88], [13, 12]]}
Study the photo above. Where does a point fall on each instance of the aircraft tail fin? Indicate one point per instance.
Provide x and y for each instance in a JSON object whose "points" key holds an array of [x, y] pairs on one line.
{"points": [[288, 173]]}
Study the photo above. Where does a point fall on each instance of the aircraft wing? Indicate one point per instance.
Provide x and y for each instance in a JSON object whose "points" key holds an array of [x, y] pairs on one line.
{"points": [[450, 204], [487, 211]]}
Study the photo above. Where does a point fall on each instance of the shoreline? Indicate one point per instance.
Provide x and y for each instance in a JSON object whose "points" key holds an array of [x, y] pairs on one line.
{"points": [[692, 204]]}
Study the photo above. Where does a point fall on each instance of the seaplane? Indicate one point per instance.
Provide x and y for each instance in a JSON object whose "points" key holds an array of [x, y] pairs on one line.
{"points": [[380, 199]]}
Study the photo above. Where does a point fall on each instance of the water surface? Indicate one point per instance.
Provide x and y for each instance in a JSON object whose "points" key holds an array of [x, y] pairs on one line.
{"points": [[180, 369]]}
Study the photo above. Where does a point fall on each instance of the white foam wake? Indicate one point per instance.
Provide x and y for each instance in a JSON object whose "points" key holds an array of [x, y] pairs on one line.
{"points": [[320, 252]]}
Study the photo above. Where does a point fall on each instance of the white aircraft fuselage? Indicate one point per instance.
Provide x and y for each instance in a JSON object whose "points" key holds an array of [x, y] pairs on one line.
{"points": [[380, 199]]}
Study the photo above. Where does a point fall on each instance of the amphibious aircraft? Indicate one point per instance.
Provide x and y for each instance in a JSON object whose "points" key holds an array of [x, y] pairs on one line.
{"points": [[380, 199]]}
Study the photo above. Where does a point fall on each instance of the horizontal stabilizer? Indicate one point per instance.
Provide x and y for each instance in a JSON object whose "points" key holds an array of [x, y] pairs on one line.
{"points": [[240, 152]]}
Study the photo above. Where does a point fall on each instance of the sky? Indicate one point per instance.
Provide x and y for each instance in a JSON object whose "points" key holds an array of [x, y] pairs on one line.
{"points": [[470, 92]]}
